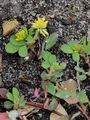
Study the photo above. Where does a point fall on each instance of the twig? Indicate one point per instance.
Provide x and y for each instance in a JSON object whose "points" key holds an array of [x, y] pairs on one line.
{"points": [[83, 112], [41, 106]]}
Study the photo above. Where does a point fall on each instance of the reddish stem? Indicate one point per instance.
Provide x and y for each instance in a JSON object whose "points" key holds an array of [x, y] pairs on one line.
{"points": [[83, 112], [41, 106]]}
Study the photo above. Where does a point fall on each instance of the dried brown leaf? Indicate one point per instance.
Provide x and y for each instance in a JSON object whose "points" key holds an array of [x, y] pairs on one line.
{"points": [[72, 100], [28, 109], [60, 109], [9, 25], [70, 86]]}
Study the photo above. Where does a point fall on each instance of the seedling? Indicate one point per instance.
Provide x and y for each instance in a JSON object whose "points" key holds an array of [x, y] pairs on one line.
{"points": [[14, 100], [72, 48], [81, 73], [76, 49], [25, 39], [52, 67]]}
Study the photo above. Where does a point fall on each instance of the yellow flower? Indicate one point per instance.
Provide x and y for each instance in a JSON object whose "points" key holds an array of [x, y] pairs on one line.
{"points": [[21, 34], [40, 23]]}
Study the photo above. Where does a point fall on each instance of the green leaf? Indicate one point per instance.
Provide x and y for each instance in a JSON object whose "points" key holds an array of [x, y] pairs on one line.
{"points": [[22, 102], [66, 49], [52, 59], [46, 55], [30, 40], [15, 93], [11, 48], [87, 49], [63, 94], [10, 96], [45, 64], [51, 87], [84, 40], [83, 97], [14, 42], [8, 105], [88, 73], [23, 52], [63, 65], [76, 56], [44, 76], [75, 46], [81, 77], [77, 68], [53, 104], [51, 41]]}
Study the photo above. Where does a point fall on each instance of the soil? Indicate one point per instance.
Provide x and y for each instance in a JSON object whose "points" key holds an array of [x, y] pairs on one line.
{"points": [[68, 18]]}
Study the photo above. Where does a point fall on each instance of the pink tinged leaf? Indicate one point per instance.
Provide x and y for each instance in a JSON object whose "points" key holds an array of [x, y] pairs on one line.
{"points": [[4, 116], [36, 93]]}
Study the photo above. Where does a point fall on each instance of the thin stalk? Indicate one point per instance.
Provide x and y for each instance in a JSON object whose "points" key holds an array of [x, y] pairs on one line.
{"points": [[83, 112], [78, 81], [41, 106]]}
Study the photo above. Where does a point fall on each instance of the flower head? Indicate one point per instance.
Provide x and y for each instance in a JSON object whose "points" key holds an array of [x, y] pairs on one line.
{"points": [[21, 34], [40, 23]]}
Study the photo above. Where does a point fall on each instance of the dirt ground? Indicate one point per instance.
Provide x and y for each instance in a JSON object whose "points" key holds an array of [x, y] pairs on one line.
{"points": [[68, 18]]}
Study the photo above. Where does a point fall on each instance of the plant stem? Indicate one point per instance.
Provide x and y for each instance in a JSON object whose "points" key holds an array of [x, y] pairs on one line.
{"points": [[78, 81], [83, 112], [41, 106]]}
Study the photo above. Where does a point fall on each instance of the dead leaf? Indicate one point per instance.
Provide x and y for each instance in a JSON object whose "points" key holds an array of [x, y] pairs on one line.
{"points": [[3, 92], [0, 62], [60, 109], [28, 109], [9, 25], [54, 116], [70, 86], [72, 100], [13, 114]]}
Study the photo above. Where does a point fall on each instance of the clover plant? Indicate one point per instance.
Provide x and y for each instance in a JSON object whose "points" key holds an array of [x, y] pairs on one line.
{"points": [[76, 49], [15, 100], [52, 67], [73, 48], [26, 38]]}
